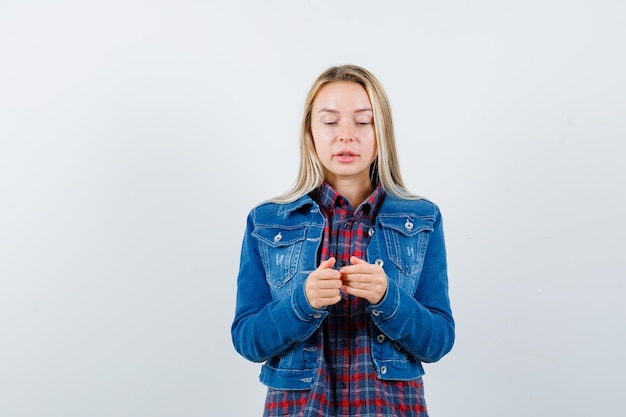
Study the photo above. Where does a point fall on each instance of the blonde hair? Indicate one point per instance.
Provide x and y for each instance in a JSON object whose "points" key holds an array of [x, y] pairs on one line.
{"points": [[385, 168]]}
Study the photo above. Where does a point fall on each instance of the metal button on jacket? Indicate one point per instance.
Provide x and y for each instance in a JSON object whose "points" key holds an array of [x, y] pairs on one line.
{"points": [[408, 225]]}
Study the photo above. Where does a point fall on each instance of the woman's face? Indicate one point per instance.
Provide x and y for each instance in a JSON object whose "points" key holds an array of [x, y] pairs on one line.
{"points": [[343, 131]]}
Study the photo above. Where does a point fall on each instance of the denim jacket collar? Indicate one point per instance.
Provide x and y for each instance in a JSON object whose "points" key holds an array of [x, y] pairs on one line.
{"points": [[288, 208]]}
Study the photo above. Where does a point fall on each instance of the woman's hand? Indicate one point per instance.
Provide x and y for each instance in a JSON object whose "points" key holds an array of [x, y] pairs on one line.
{"points": [[323, 286], [364, 280]]}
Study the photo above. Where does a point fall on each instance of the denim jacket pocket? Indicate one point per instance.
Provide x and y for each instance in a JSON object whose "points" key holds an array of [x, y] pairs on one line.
{"points": [[391, 360], [406, 239], [280, 249], [294, 369]]}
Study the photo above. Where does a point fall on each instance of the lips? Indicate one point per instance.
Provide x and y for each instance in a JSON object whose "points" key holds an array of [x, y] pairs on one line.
{"points": [[345, 156]]}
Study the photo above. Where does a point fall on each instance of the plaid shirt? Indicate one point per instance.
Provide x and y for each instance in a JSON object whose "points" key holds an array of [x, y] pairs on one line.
{"points": [[346, 383]]}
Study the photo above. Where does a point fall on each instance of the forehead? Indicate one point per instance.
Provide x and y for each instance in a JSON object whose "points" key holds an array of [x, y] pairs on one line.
{"points": [[339, 95]]}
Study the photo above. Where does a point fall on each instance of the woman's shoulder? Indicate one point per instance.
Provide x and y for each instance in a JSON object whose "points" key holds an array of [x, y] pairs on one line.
{"points": [[417, 206], [272, 208]]}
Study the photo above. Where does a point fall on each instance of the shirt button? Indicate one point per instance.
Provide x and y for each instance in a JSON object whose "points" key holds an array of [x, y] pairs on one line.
{"points": [[342, 386], [380, 338], [278, 237], [379, 262], [342, 263], [383, 370]]}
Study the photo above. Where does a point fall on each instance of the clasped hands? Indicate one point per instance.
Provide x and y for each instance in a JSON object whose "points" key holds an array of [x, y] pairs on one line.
{"points": [[323, 287]]}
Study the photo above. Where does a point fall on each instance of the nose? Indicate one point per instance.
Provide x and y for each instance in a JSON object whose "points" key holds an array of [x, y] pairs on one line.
{"points": [[346, 134]]}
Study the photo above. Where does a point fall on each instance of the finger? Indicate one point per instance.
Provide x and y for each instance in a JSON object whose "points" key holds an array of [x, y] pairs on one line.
{"points": [[328, 263], [373, 295], [356, 261], [329, 283], [360, 269], [330, 293], [357, 266], [331, 300], [358, 292], [353, 277], [358, 282], [352, 291]]}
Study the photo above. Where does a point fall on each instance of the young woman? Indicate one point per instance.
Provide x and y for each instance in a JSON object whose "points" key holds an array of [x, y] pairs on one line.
{"points": [[342, 288]]}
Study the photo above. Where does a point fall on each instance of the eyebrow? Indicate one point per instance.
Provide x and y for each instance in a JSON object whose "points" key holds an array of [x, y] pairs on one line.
{"points": [[327, 110]]}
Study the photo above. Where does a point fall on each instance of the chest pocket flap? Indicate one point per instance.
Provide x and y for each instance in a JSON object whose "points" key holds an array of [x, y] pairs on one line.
{"points": [[406, 238], [279, 236], [280, 249], [407, 225]]}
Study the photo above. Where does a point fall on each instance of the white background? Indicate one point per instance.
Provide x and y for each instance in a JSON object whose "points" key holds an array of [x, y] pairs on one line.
{"points": [[136, 135]]}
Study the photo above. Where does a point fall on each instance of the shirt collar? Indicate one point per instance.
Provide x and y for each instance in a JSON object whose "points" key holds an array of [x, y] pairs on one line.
{"points": [[330, 199]]}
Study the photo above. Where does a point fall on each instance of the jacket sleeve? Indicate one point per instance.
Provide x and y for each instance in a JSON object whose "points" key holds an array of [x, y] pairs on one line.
{"points": [[263, 326], [422, 323]]}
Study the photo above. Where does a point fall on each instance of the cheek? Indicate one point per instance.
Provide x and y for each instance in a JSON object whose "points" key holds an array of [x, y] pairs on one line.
{"points": [[372, 146], [314, 141], [315, 134], [319, 139]]}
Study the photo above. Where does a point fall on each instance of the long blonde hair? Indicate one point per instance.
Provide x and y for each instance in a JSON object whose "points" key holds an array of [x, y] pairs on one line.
{"points": [[385, 168]]}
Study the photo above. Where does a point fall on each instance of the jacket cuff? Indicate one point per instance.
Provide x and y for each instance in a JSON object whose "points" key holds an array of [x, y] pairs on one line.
{"points": [[303, 309], [388, 306]]}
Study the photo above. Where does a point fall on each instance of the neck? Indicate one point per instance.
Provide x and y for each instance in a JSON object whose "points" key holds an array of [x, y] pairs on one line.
{"points": [[354, 190]]}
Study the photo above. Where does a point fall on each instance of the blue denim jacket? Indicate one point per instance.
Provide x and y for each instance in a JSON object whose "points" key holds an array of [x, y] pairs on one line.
{"points": [[274, 322]]}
